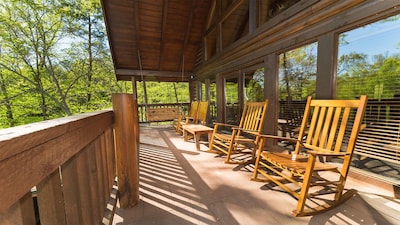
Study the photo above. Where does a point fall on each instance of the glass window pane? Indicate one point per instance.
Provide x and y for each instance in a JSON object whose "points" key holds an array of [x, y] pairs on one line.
{"points": [[369, 63], [297, 81], [297, 73], [254, 86], [232, 100]]}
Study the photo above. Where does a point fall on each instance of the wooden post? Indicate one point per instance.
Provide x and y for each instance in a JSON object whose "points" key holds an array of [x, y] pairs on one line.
{"points": [[126, 128], [208, 93], [241, 92], [271, 90], [134, 88], [221, 103]]}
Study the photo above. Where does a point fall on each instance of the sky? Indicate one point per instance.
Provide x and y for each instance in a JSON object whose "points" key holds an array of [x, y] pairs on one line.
{"points": [[373, 39]]}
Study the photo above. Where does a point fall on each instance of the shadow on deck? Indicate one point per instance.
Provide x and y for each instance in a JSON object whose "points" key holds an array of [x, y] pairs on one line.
{"points": [[179, 185]]}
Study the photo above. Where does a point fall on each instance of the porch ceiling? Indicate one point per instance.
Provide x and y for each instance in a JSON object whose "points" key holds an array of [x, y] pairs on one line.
{"points": [[155, 39]]}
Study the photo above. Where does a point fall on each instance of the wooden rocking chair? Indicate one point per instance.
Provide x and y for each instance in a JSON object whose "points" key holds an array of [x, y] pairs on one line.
{"points": [[332, 132], [182, 119], [199, 118], [201, 115], [251, 124]]}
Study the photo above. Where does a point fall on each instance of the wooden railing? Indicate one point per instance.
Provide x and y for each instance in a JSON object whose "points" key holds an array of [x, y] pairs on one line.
{"points": [[59, 171], [380, 136]]}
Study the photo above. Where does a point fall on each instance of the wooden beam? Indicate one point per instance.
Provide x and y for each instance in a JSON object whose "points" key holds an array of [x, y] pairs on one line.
{"points": [[163, 26], [187, 32], [252, 16]]}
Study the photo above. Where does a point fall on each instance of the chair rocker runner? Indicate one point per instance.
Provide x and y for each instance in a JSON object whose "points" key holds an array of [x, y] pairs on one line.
{"points": [[332, 133], [251, 124]]}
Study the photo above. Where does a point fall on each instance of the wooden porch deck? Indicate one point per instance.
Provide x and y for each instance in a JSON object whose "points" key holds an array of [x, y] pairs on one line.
{"points": [[179, 185]]}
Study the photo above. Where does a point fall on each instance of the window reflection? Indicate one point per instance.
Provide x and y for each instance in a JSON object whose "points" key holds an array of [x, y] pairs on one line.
{"points": [[369, 61]]}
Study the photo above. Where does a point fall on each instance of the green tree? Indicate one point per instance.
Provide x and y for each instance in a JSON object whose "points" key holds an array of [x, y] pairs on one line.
{"points": [[298, 73], [30, 31], [40, 77]]}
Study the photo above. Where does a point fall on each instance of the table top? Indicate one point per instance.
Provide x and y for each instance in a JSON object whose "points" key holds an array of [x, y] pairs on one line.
{"points": [[196, 128]]}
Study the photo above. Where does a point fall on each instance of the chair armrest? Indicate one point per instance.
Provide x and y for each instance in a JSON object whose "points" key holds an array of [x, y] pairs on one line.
{"points": [[280, 138], [253, 132], [225, 124], [238, 128]]}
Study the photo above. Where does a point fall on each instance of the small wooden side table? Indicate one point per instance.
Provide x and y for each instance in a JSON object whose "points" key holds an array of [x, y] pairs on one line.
{"points": [[196, 130]]}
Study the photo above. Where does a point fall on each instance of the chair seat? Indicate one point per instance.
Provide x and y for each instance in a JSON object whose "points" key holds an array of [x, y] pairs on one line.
{"points": [[221, 136], [298, 166]]}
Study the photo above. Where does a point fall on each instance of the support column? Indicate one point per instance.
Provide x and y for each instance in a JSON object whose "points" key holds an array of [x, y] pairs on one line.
{"points": [[134, 88], [126, 129], [221, 100], [241, 86], [326, 66], [198, 90], [271, 87], [208, 98]]}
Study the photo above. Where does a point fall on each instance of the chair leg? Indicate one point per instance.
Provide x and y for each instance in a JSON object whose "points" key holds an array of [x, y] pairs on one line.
{"points": [[306, 184], [210, 145], [231, 147], [257, 163]]}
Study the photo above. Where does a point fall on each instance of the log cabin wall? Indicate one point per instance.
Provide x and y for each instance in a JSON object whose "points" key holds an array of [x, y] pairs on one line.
{"points": [[304, 22]]}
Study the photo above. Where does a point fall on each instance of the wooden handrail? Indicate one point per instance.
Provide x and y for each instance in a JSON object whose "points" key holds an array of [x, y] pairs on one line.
{"points": [[68, 164]]}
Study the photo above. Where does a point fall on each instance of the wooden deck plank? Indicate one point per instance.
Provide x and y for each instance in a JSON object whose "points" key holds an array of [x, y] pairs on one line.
{"points": [[180, 185]]}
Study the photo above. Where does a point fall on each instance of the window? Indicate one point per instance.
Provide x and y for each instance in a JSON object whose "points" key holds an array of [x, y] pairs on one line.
{"points": [[297, 81], [232, 100], [254, 86], [297, 73], [369, 63]]}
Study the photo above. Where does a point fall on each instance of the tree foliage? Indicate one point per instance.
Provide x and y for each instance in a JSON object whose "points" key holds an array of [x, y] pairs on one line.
{"points": [[298, 69], [54, 60]]}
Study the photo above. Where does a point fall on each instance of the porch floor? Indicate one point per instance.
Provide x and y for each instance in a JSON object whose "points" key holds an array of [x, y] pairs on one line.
{"points": [[179, 185]]}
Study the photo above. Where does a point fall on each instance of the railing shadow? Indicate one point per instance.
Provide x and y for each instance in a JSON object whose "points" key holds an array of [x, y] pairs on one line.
{"points": [[362, 208], [173, 192]]}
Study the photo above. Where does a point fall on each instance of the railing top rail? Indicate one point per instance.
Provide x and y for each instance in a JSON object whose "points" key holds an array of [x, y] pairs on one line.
{"points": [[14, 139]]}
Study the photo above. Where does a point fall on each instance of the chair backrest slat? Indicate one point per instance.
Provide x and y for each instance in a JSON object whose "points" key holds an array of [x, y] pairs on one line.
{"points": [[330, 124], [332, 135], [253, 115], [202, 112], [193, 109]]}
